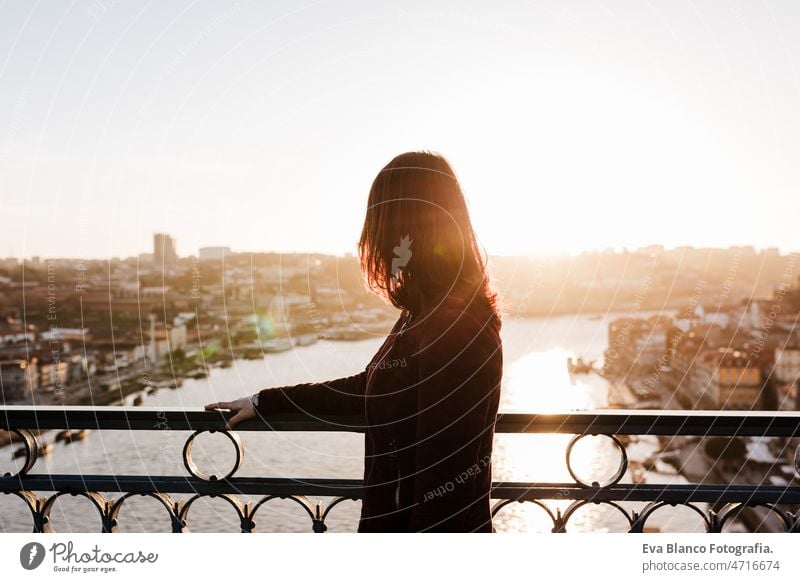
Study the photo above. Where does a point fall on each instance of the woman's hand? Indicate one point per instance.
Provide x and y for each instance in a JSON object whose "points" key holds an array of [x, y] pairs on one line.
{"points": [[243, 407]]}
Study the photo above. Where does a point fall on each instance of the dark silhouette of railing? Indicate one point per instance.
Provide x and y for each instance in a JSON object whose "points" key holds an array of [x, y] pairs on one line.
{"points": [[727, 500]]}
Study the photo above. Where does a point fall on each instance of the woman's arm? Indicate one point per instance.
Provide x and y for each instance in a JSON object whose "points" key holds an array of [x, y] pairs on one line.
{"points": [[460, 366], [340, 396]]}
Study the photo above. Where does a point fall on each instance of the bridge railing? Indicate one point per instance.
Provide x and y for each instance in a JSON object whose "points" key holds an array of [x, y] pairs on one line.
{"points": [[726, 500]]}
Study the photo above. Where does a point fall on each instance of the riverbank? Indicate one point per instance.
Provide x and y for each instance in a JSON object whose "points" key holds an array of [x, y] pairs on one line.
{"points": [[689, 456]]}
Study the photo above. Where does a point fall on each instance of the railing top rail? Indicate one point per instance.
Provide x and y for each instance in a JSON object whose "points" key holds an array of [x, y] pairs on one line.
{"points": [[616, 421]]}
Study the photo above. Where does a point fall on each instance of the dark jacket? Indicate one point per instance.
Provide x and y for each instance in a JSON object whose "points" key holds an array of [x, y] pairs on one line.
{"points": [[429, 396]]}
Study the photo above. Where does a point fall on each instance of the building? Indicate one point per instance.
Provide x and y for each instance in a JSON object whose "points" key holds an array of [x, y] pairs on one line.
{"points": [[66, 338], [788, 396], [214, 253], [163, 248], [787, 364], [738, 382], [166, 338], [18, 380], [80, 367], [635, 342], [53, 373], [15, 334], [787, 376], [728, 379]]}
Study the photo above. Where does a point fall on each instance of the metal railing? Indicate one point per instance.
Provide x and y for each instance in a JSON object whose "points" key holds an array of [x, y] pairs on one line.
{"points": [[726, 501]]}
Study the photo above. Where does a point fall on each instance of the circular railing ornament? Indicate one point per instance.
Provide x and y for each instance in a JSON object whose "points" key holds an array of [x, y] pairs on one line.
{"points": [[31, 451], [165, 499], [242, 509], [653, 506], [616, 478], [313, 510], [503, 503], [797, 460], [195, 471], [579, 503], [732, 510], [98, 501]]}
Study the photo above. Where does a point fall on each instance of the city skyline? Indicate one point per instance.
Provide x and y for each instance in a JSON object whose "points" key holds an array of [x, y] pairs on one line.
{"points": [[181, 253]]}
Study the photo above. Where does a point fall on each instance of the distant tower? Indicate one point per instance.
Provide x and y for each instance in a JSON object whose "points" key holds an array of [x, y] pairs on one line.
{"points": [[163, 248]]}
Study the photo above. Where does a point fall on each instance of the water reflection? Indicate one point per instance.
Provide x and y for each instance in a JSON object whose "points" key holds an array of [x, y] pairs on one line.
{"points": [[539, 381]]}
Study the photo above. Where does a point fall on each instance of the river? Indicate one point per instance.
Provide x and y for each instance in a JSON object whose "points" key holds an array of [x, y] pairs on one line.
{"points": [[535, 379]]}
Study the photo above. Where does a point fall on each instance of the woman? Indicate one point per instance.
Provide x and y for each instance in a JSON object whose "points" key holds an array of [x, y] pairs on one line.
{"points": [[430, 394]]}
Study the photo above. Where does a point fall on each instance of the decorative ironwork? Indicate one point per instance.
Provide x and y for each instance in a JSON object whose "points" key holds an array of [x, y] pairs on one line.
{"points": [[616, 478], [192, 467], [728, 501], [30, 450], [638, 525]]}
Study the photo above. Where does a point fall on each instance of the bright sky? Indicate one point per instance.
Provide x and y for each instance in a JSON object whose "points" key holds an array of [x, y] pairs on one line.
{"points": [[260, 126]]}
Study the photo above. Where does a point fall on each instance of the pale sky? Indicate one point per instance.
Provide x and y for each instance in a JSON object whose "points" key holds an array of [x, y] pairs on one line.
{"points": [[260, 126]]}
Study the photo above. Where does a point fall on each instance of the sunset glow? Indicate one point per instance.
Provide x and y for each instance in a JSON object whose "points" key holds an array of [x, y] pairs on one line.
{"points": [[570, 129]]}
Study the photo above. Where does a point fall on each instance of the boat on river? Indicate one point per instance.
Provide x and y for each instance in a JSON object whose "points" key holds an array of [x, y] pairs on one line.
{"points": [[579, 365]]}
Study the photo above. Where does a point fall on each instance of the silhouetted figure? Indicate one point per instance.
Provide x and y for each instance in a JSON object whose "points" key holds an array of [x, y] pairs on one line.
{"points": [[431, 392]]}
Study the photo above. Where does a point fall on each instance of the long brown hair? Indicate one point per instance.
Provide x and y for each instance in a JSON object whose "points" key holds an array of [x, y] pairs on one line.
{"points": [[418, 245]]}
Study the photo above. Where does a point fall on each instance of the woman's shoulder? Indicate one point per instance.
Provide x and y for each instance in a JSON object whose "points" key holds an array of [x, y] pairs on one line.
{"points": [[454, 316], [461, 340]]}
